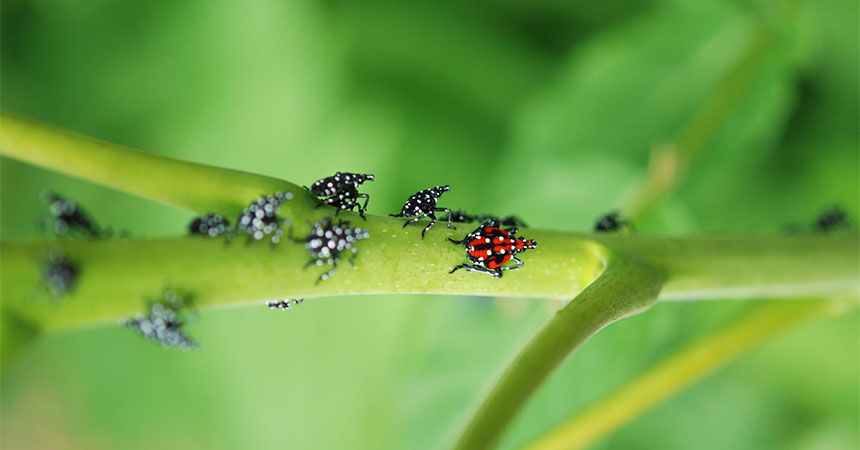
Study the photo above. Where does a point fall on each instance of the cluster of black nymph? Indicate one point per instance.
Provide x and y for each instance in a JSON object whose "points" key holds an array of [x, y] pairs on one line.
{"points": [[327, 240]]}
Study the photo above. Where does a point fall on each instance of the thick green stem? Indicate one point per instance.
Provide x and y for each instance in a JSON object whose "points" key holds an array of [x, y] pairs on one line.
{"points": [[678, 371], [626, 287], [116, 275]]}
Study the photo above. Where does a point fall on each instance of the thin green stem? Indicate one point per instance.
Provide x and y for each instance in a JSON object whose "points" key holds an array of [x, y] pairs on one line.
{"points": [[685, 367], [626, 287], [196, 187], [670, 161]]}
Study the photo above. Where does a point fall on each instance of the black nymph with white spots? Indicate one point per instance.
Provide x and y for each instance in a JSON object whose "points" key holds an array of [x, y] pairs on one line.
{"points": [[327, 241], [59, 274], [164, 320], [831, 219], [611, 222], [260, 218], [284, 305], [341, 191], [423, 203], [212, 225], [460, 216], [69, 218]]}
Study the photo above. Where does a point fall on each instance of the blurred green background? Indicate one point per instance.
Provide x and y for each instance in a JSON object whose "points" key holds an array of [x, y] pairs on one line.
{"points": [[546, 109]]}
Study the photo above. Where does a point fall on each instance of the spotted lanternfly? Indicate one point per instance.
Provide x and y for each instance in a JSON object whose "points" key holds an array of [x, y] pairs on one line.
{"points": [[69, 218], [831, 219], [260, 218], [341, 191], [285, 304], [327, 241], [211, 225], [489, 247], [423, 203], [59, 274], [460, 216], [164, 320], [611, 222]]}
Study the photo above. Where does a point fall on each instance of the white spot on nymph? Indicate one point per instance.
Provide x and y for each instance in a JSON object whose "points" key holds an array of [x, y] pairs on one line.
{"points": [[489, 253], [487, 240]]}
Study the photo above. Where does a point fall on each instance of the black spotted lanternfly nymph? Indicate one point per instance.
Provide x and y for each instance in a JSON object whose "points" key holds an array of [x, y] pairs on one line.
{"points": [[164, 320], [211, 225], [68, 218], [611, 222], [284, 305], [423, 204], [59, 274], [460, 216], [341, 191], [832, 218], [327, 241], [260, 218]]}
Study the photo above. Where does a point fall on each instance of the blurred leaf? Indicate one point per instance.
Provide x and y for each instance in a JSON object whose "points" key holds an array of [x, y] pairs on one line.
{"points": [[638, 86]]}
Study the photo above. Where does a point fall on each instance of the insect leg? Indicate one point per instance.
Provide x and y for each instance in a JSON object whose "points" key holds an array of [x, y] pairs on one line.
{"points": [[362, 209], [430, 225], [413, 220], [480, 269], [448, 210], [328, 274], [515, 266]]}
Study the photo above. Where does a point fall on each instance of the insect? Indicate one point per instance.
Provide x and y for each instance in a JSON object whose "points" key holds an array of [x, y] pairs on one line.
{"points": [[211, 225], [341, 191], [831, 219], [489, 247], [327, 241], [423, 203], [611, 222], [59, 274], [260, 218], [164, 320], [285, 304], [69, 218], [460, 216]]}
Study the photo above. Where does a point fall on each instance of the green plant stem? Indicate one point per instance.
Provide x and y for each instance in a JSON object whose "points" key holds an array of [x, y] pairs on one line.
{"points": [[117, 274], [626, 287], [678, 371], [196, 187]]}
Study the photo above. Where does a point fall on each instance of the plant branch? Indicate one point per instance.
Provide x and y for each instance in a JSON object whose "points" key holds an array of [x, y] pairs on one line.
{"points": [[626, 287], [195, 187], [117, 274], [685, 367]]}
